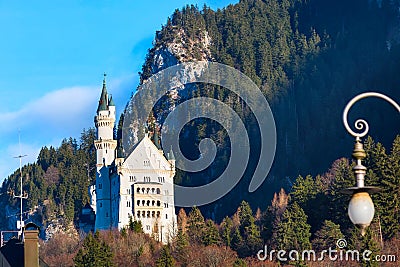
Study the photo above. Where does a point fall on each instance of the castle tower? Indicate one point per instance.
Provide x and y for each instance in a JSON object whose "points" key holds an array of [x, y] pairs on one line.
{"points": [[105, 150]]}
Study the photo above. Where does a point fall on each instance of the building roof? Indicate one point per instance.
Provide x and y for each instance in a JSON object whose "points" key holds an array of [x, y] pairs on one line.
{"points": [[103, 102], [111, 101], [12, 254], [170, 155]]}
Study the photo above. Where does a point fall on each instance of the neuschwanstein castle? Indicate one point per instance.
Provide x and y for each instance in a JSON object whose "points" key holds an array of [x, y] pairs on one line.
{"points": [[138, 186]]}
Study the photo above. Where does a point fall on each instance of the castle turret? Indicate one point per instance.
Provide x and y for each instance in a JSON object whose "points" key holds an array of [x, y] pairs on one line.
{"points": [[104, 121], [105, 150]]}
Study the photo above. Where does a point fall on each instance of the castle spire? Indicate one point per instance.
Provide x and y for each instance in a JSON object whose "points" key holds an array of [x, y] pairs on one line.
{"points": [[170, 155], [103, 102], [111, 101]]}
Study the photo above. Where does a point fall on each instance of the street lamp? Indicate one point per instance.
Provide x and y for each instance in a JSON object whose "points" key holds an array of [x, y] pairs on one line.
{"points": [[361, 208]]}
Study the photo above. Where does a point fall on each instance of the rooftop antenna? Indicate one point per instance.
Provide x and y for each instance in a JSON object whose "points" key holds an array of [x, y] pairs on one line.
{"points": [[22, 195]]}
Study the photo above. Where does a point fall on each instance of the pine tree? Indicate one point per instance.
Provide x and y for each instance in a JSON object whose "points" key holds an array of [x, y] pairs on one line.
{"points": [[383, 171], [226, 227], [363, 243], [248, 230], [135, 226], [195, 226], [165, 259], [327, 236], [94, 252], [211, 234], [294, 231]]}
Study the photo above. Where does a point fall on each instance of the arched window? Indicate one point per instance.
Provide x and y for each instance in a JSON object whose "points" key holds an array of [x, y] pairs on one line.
{"points": [[158, 203], [153, 214], [148, 202], [143, 214], [158, 214], [143, 202], [158, 191], [138, 214], [138, 202], [138, 190], [153, 202], [148, 214]]}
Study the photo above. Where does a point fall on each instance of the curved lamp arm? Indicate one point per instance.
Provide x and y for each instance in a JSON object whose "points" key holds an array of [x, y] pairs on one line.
{"points": [[361, 124]]}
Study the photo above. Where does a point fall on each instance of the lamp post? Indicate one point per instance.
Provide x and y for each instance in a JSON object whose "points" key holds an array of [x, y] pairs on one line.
{"points": [[361, 208]]}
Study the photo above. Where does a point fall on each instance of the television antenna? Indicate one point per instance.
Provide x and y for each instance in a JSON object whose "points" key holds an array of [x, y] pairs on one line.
{"points": [[22, 195]]}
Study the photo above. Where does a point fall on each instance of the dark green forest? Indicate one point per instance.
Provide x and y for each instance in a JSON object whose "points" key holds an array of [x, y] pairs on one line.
{"points": [[309, 58]]}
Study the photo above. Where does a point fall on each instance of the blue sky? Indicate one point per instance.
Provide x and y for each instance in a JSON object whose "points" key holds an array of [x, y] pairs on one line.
{"points": [[52, 58]]}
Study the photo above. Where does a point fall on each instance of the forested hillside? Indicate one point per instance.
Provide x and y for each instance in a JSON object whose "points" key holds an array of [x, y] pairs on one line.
{"points": [[312, 215], [57, 184], [308, 58]]}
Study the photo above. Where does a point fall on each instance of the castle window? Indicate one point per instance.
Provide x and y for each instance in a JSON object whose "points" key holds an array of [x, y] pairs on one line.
{"points": [[138, 214], [143, 190], [100, 186], [138, 190], [153, 214], [148, 202], [143, 214], [153, 202], [152, 190], [158, 191], [143, 202], [138, 202], [166, 216], [128, 204], [147, 190], [148, 227], [148, 214], [158, 214], [158, 203]]}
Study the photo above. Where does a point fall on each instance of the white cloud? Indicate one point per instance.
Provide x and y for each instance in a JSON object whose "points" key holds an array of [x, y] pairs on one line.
{"points": [[53, 109], [47, 120]]}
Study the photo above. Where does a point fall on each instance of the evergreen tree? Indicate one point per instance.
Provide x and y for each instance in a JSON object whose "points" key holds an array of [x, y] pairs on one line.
{"points": [[383, 171], [94, 252], [327, 236], [195, 226], [211, 234], [249, 232], [363, 243], [165, 259], [294, 231], [226, 227], [135, 226]]}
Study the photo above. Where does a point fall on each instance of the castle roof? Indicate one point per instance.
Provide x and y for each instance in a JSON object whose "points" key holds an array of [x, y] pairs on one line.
{"points": [[170, 155], [111, 101], [103, 102]]}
